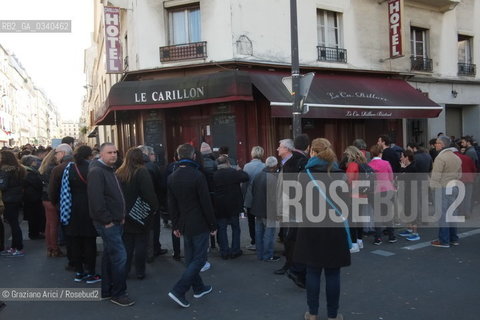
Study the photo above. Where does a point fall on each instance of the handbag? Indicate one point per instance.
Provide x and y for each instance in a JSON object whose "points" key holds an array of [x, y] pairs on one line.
{"points": [[140, 211]]}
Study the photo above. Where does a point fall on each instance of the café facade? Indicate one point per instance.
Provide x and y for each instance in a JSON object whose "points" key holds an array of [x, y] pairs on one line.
{"points": [[241, 105]]}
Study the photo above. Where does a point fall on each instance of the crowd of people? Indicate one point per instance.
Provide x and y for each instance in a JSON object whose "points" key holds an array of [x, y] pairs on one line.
{"points": [[71, 196]]}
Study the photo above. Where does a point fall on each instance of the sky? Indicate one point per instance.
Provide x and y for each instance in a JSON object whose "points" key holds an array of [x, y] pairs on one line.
{"points": [[54, 61]]}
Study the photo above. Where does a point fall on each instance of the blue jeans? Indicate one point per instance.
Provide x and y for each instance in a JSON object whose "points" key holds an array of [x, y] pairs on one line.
{"points": [[265, 238], [196, 248], [234, 223], [332, 289], [447, 231], [114, 261]]}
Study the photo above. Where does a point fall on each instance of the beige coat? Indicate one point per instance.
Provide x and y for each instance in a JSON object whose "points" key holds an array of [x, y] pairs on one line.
{"points": [[446, 167]]}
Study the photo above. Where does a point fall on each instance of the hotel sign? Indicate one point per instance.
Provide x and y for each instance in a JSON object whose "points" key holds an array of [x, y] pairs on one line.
{"points": [[395, 28], [113, 49]]}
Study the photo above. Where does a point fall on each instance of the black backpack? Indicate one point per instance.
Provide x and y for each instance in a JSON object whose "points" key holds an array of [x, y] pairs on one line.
{"points": [[366, 173]]}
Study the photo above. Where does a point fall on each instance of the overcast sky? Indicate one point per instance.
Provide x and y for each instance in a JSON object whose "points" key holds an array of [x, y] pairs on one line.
{"points": [[54, 61]]}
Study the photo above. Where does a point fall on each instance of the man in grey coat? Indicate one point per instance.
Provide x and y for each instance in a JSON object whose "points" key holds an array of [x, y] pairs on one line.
{"points": [[252, 168]]}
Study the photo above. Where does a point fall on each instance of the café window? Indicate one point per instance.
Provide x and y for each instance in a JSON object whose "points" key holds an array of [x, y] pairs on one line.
{"points": [[184, 25]]}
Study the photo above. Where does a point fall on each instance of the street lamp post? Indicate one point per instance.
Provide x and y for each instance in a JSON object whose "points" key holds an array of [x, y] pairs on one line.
{"points": [[296, 108]]}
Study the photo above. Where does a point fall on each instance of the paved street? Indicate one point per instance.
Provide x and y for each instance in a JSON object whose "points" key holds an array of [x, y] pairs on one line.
{"points": [[391, 284]]}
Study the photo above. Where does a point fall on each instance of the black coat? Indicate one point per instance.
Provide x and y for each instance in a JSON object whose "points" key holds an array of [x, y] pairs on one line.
{"points": [[11, 184], [32, 185], [296, 163], [228, 196], [105, 195], [189, 201], [80, 224], [140, 185], [325, 247]]}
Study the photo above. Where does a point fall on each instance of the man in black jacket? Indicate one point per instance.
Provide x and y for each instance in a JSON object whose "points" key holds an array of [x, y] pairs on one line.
{"points": [[192, 216], [292, 162], [107, 210]]}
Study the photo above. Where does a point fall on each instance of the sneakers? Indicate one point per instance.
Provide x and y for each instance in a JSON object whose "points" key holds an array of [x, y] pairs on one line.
{"points": [[272, 259], [205, 267], [179, 300], [405, 233], [438, 244], [7, 252], [392, 239], [360, 243], [309, 316], [123, 301], [378, 241], [79, 277], [251, 247], [454, 243], [355, 248], [93, 278], [206, 290], [413, 237], [12, 253]]}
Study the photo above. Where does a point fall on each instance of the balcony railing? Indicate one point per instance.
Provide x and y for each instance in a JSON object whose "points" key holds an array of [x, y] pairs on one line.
{"points": [[421, 64], [466, 69], [194, 50], [332, 54]]}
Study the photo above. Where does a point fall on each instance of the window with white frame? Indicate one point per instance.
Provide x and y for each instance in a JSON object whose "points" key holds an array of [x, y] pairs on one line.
{"points": [[418, 42], [464, 49], [329, 29], [184, 25]]}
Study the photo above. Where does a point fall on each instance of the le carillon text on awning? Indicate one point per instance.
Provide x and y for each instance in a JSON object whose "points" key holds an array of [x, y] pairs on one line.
{"points": [[330, 95]]}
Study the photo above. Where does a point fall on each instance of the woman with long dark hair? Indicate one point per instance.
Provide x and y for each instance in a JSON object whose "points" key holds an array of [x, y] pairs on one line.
{"points": [[12, 174], [137, 187]]}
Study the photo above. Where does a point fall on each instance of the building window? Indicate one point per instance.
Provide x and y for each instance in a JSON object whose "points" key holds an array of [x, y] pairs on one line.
{"points": [[184, 25], [419, 48], [465, 60], [330, 38]]}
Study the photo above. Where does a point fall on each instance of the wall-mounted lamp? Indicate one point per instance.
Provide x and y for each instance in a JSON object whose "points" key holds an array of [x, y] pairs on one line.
{"points": [[454, 93]]}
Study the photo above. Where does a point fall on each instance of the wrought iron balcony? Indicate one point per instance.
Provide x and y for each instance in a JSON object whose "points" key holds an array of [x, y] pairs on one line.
{"points": [[194, 50], [332, 54], [466, 69], [421, 64]]}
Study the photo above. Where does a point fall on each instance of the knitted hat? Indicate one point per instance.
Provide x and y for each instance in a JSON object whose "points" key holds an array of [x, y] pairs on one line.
{"points": [[205, 148]]}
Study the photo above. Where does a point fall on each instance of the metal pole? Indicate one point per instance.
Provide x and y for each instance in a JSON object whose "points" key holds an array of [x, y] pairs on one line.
{"points": [[296, 111]]}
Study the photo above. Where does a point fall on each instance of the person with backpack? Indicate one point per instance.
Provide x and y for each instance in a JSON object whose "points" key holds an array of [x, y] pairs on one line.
{"points": [[356, 168]]}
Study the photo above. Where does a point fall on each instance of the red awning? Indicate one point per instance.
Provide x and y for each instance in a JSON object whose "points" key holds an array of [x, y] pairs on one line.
{"points": [[348, 96]]}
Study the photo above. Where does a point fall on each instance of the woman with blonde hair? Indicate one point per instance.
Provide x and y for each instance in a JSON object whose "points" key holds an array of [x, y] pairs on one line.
{"points": [[322, 248], [51, 212], [353, 159], [138, 190]]}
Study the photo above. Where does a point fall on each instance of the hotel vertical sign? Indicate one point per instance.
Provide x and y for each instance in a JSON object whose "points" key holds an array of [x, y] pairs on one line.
{"points": [[395, 28], [113, 49]]}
